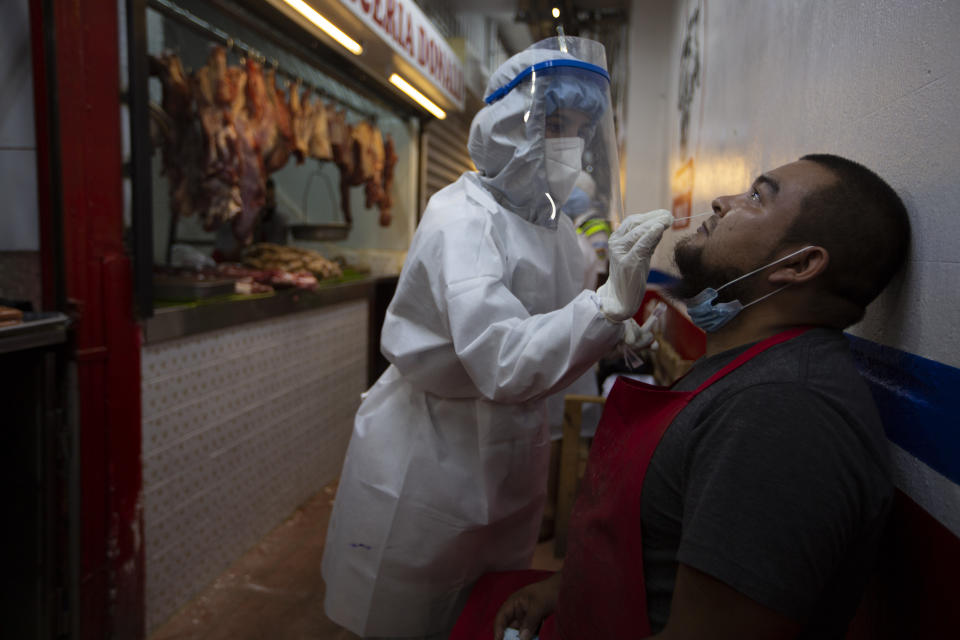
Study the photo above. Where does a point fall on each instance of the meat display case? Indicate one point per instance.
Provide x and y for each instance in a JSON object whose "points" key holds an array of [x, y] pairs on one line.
{"points": [[315, 191]]}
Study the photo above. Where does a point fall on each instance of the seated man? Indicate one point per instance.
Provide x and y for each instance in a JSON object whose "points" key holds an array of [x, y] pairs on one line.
{"points": [[748, 500]]}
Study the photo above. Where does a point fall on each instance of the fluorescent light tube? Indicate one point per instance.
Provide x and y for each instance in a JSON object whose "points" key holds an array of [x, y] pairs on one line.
{"points": [[326, 26], [420, 99]]}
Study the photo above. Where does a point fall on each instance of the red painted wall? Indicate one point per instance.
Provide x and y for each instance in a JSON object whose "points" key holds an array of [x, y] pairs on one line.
{"points": [[99, 286], [914, 592]]}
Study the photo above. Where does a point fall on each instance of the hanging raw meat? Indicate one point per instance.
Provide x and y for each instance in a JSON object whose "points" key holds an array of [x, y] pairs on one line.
{"points": [[244, 114], [341, 143], [257, 104], [361, 135], [319, 146], [301, 124], [224, 129], [361, 157], [177, 98], [276, 157], [216, 91], [389, 162], [252, 180], [181, 146], [372, 157], [232, 185], [270, 116], [339, 136]]}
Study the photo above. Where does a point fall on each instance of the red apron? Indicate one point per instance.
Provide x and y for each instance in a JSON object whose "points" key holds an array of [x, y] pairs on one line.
{"points": [[603, 592]]}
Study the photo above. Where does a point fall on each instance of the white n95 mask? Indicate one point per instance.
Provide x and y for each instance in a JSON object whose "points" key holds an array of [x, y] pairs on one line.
{"points": [[564, 161]]}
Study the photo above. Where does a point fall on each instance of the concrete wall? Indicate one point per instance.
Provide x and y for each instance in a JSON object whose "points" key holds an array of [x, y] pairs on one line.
{"points": [[19, 224], [18, 147], [873, 80]]}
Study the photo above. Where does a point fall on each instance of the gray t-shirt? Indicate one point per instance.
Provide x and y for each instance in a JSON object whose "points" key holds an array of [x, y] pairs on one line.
{"points": [[774, 480]]}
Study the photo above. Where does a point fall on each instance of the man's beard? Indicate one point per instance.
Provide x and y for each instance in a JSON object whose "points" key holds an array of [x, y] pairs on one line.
{"points": [[695, 276]]}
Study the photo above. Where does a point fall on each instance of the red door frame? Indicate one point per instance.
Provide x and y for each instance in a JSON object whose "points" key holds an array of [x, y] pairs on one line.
{"points": [[98, 279]]}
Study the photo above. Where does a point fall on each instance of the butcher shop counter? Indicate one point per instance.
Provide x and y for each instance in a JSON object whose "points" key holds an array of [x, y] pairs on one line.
{"points": [[177, 321]]}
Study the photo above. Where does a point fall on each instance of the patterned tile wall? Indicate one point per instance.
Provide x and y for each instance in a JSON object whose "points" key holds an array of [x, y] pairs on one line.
{"points": [[241, 426], [20, 276]]}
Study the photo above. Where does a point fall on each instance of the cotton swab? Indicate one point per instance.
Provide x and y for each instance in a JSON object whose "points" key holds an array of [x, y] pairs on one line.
{"points": [[699, 215]]}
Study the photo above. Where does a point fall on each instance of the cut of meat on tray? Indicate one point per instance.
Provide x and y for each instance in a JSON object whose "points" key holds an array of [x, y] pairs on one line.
{"points": [[270, 257]]}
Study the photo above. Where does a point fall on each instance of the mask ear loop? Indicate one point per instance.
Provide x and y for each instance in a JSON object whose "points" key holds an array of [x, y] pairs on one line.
{"points": [[767, 266], [764, 297], [778, 290]]}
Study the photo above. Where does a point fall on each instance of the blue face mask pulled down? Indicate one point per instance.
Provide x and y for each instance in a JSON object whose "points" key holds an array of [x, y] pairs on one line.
{"points": [[710, 315]]}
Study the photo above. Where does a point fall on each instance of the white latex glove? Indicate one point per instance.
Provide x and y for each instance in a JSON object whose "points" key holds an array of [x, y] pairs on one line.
{"points": [[639, 336], [638, 341], [630, 249]]}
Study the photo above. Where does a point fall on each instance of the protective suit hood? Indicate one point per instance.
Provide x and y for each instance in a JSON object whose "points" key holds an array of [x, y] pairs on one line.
{"points": [[508, 137]]}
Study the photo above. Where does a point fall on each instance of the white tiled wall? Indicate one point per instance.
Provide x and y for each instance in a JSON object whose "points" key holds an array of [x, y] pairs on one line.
{"points": [[18, 147], [241, 426]]}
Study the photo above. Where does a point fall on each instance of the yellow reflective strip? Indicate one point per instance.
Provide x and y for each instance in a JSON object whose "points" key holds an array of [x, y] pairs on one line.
{"points": [[596, 225]]}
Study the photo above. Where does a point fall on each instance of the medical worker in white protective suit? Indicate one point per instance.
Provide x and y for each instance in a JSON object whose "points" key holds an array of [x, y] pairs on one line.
{"points": [[445, 474]]}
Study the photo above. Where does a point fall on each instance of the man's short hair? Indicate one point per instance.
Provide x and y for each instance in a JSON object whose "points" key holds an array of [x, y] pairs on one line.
{"points": [[861, 221]]}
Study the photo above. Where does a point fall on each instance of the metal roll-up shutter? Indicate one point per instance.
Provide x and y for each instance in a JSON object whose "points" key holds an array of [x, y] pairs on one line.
{"points": [[444, 154]]}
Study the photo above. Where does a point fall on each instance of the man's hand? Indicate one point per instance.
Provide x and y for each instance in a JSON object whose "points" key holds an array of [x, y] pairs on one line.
{"points": [[527, 608]]}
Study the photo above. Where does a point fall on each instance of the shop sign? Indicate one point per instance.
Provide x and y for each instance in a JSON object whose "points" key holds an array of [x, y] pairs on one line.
{"points": [[403, 25]]}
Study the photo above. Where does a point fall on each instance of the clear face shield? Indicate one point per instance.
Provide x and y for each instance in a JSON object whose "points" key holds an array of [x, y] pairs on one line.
{"points": [[548, 127]]}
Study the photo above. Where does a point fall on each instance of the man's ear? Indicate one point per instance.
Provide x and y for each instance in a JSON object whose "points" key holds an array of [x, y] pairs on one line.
{"points": [[801, 268]]}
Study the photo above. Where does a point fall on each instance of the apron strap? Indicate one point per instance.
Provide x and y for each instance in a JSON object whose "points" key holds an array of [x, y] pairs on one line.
{"points": [[756, 349]]}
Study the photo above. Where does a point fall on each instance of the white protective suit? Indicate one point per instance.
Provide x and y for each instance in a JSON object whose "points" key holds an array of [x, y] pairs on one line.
{"points": [[445, 475]]}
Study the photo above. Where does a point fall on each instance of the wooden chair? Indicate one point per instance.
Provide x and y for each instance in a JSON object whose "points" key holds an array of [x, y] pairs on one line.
{"points": [[573, 458]]}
